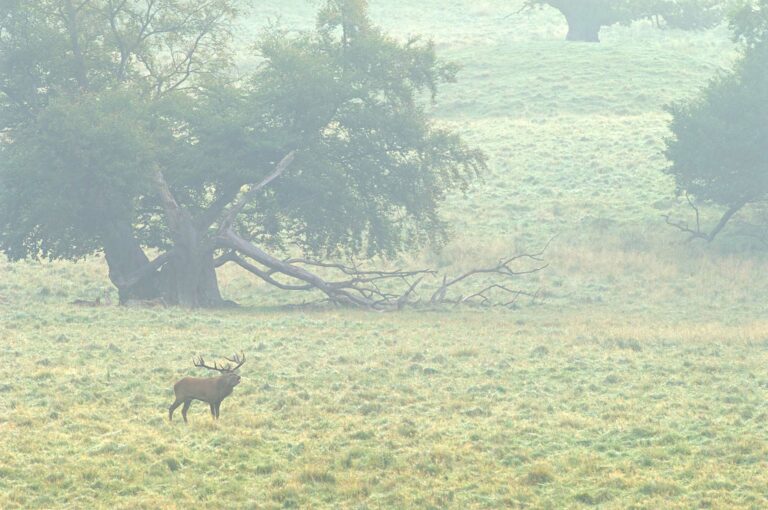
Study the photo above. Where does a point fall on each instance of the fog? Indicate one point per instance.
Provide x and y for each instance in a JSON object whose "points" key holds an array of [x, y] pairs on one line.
{"points": [[383, 254]]}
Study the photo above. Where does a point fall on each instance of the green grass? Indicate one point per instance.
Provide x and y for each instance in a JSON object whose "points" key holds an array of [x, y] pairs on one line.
{"points": [[574, 132], [636, 380], [359, 410]]}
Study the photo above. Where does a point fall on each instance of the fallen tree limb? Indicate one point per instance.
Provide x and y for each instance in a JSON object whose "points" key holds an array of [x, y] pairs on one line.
{"points": [[374, 289], [503, 269]]}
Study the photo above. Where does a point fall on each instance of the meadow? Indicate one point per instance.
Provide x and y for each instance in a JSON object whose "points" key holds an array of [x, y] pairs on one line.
{"points": [[358, 410], [636, 379]]}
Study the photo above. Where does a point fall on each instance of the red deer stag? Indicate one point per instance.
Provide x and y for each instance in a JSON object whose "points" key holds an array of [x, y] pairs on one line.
{"points": [[208, 389]]}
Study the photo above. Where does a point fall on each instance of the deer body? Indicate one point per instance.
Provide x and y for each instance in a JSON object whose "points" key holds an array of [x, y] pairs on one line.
{"points": [[206, 389]]}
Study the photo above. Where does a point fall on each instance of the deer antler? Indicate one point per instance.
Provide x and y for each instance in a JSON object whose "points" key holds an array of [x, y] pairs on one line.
{"points": [[236, 359], [239, 360]]}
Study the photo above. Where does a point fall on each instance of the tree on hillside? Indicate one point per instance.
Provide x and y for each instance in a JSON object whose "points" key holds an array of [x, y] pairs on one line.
{"points": [[126, 130], [719, 148], [749, 23], [586, 17]]}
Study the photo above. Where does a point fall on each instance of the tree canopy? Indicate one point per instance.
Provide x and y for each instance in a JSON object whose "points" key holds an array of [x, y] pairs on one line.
{"points": [[126, 127], [586, 17], [718, 149], [749, 23]]}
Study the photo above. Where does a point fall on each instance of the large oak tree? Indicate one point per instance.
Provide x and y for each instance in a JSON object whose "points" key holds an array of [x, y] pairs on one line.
{"points": [[719, 149], [127, 130], [586, 17]]}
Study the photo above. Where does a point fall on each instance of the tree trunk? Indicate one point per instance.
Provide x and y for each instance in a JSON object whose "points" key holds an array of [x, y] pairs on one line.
{"points": [[74, 39], [189, 279], [585, 18], [582, 27], [185, 276], [127, 261]]}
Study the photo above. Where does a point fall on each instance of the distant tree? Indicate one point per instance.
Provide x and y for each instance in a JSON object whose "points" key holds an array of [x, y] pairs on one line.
{"points": [[586, 17], [749, 22], [125, 129], [719, 148]]}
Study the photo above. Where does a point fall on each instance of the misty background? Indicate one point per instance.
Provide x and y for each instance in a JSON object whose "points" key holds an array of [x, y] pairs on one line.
{"points": [[478, 254]]}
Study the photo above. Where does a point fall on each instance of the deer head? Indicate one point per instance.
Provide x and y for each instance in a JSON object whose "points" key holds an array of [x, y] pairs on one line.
{"points": [[227, 370]]}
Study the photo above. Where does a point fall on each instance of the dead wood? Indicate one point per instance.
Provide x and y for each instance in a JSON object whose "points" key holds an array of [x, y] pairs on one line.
{"points": [[376, 289]]}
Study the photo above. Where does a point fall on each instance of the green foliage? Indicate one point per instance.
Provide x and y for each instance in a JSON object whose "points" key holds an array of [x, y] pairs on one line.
{"points": [[53, 48], [750, 22], [79, 97], [718, 149], [371, 168], [71, 171], [683, 14], [32, 58], [689, 14]]}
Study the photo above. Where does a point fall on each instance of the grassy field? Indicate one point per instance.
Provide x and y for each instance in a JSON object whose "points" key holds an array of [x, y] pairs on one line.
{"points": [[574, 132], [358, 410], [637, 379]]}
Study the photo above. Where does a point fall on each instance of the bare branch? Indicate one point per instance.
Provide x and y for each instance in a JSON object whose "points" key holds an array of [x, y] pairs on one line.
{"points": [[264, 275], [366, 288], [174, 212], [698, 233], [348, 296], [403, 300], [229, 219], [184, 68], [503, 268], [224, 197], [360, 276]]}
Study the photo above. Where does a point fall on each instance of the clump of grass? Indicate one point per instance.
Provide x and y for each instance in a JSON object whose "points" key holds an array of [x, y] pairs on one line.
{"points": [[317, 476], [264, 469], [629, 343], [540, 474], [660, 488], [172, 464], [588, 498], [287, 497]]}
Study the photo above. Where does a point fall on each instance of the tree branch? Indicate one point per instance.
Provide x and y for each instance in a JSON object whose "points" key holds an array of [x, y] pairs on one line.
{"points": [[74, 40], [173, 210], [229, 218], [503, 268], [698, 233], [337, 295], [135, 277], [211, 213], [264, 275], [362, 288]]}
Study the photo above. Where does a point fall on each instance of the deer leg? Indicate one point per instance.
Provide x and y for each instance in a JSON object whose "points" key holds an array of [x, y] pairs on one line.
{"points": [[213, 409], [173, 407], [184, 409], [218, 407]]}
